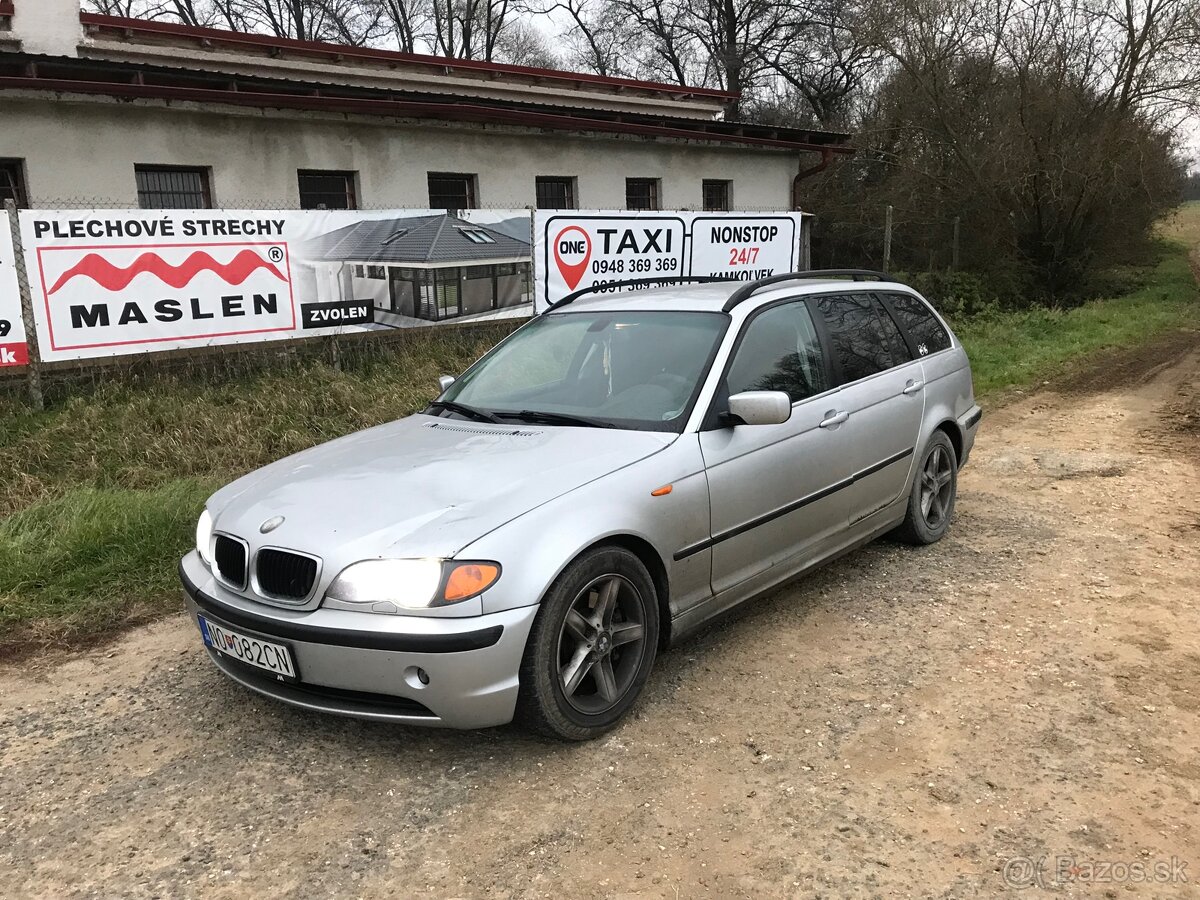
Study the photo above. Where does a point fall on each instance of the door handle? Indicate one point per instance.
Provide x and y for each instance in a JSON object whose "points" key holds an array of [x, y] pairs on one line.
{"points": [[912, 387], [833, 417]]}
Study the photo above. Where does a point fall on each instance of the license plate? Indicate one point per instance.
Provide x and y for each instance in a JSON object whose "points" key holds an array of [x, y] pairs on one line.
{"points": [[252, 651]]}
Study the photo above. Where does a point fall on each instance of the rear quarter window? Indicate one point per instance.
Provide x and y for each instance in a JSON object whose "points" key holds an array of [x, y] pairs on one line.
{"points": [[921, 324], [857, 335]]}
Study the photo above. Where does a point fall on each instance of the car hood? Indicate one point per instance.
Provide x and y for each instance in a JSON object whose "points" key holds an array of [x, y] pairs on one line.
{"points": [[421, 486]]}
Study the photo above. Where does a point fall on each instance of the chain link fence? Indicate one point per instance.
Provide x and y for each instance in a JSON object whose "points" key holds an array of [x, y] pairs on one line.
{"points": [[889, 239]]}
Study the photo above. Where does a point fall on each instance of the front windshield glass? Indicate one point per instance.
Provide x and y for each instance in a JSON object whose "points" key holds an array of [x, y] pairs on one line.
{"points": [[621, 369]]}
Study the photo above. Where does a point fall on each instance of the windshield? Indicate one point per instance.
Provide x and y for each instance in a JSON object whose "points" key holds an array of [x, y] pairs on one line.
{"points": [[637, 370]]}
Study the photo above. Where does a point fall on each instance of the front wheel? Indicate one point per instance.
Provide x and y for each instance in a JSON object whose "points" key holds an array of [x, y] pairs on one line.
{"points": [[935, 487], [591, 647]]}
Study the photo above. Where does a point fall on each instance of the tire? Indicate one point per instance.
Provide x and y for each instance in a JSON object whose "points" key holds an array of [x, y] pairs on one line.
{"points": [[930, 511], [591, 647]]}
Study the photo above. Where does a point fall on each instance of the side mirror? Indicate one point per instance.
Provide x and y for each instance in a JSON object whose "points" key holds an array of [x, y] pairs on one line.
{"points": [[761, 407], [444, 382]]}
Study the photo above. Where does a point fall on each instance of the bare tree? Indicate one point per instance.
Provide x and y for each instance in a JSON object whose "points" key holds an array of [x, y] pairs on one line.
{"points": [[598, 37], [665, 50], [404, 23], [823, 59], [522, 44]]}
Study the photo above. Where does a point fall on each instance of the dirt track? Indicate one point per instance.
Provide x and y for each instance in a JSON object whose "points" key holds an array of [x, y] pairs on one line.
{"points": [[903, 723]]}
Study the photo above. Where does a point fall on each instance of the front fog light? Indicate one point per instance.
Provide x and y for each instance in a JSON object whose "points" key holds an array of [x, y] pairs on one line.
{"points": [[204, 534]]}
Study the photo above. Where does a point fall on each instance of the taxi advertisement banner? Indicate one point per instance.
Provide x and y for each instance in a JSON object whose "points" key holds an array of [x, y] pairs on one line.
{"points": [[579, 249]]}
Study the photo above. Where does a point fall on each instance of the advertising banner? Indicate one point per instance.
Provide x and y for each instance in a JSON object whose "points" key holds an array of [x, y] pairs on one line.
{"points": [[578, 249], [13, 351], [108, 282]]}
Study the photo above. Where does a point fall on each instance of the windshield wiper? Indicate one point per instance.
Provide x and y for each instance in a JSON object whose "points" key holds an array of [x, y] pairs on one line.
{"points": [[553, 418], [462, 409]]}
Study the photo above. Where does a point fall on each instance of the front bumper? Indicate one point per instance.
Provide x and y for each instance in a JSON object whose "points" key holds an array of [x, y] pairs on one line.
{"points": [[363, 665]]}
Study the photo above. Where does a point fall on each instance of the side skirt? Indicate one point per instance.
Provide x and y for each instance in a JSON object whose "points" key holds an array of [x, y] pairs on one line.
{"points": [[697, 617]]}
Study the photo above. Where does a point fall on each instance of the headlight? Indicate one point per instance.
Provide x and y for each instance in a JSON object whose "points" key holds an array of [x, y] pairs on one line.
{"points": [[390, 585], [204, 531]]}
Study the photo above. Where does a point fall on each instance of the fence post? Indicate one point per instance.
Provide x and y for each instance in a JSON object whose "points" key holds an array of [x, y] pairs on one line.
{"points": [[33, 371], [954, 247], [887, 239], [806, 227]]}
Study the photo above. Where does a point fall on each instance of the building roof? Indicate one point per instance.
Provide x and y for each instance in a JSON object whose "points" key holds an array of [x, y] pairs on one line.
{"points": [[414, 241], [169, 32], [138, 81], [133, 59]]}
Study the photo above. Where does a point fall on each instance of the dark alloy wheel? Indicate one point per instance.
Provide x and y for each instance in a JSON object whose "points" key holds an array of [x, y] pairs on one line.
{"points": [[599, 645], [937, 487], [934, 490], [591, 647]]}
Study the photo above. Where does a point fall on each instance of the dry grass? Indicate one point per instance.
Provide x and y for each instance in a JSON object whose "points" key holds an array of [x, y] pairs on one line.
{"points": [[1184, 225], [99, 494]]}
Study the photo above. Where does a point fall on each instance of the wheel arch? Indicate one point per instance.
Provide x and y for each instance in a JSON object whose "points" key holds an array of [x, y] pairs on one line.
{"points": [[950, 427], [650, 558]]}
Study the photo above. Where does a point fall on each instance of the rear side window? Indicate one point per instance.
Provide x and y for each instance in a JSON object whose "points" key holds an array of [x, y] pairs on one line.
{"points": [[858, 336], [779, 352], [895, 339], [921, 324]]}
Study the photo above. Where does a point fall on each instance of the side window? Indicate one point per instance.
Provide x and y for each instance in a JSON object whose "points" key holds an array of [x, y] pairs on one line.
{"points": [[780, 352], [858, 336], [895, 339], [920, 323]]}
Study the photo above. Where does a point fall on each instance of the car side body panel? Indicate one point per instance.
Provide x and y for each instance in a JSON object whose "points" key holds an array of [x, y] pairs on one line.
{"points": [[617, 506]]}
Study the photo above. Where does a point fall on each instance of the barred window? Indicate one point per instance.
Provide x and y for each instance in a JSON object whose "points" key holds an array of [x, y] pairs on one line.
{"points": [[12, 182], [327, 190], [641, 193], [172, 187], [716, 195], [555, 192], [451, 191]]}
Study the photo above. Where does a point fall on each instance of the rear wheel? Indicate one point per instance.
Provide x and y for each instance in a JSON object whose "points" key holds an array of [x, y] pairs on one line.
{"points": [[591, 648], [935, 487]]}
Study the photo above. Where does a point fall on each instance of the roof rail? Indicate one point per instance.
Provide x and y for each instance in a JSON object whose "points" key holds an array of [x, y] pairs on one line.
{"points": [[748, 290], [635, 282]]}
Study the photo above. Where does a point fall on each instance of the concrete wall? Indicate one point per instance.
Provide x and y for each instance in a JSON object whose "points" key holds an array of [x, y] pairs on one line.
{"points": [[86, 148]]}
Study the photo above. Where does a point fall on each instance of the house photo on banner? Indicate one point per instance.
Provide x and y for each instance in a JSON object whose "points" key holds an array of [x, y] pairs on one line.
{"points": [[418, 269]]}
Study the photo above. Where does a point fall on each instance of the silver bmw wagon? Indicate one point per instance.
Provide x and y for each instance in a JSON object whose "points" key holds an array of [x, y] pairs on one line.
{"points": [[603, 482]]}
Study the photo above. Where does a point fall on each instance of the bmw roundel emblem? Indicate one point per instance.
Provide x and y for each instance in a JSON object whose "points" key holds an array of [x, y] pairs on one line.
{"points": [[271, 524]]}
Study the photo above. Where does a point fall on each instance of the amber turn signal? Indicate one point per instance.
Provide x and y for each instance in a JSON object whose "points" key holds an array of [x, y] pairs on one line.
{"points": [[468, 579], [662, 491]]}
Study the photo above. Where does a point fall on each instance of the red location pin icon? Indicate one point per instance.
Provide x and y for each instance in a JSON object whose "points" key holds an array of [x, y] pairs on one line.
{"points": [[572, 253]]}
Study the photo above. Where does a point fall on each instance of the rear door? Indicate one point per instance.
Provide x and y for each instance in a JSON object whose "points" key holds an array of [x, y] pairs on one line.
{"points": [[770, 485], [882, 395]]}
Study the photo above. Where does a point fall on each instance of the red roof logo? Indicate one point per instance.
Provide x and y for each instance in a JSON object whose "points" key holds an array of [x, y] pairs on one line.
{"points": [[114, 278]]}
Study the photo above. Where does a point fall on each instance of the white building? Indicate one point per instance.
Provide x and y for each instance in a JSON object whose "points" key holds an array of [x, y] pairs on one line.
{"points": [[129, 112]]}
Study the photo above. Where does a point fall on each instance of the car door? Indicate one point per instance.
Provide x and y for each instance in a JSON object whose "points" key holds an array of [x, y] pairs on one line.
{"points": [[882, 397], [770, 485]]}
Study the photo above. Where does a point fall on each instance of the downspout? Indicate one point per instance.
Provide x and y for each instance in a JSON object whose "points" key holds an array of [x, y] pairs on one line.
{"points": [[826, 159]]}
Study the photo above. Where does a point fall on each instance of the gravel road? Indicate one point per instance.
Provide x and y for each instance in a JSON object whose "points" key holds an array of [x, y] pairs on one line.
{"points": [[927, 723]]}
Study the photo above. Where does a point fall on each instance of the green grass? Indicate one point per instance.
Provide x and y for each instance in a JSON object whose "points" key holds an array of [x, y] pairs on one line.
{"points": [[100, 493], [96, 558], [1015, 349]]}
